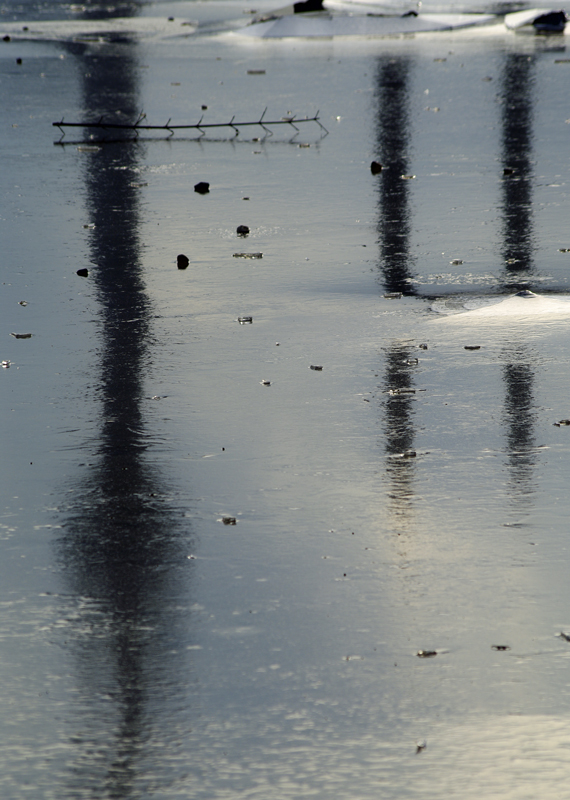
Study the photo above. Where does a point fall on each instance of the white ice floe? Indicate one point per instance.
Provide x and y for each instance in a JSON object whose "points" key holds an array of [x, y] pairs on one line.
{"points": [[326, 18], [523, 307], [98, 31], [349, 24], [309, 19], [541, 19]]}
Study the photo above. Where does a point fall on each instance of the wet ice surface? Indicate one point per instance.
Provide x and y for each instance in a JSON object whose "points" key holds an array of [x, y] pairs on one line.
{"points": [[149, 649]]}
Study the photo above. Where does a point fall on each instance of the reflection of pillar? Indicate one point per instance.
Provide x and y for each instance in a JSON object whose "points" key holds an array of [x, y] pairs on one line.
{"points": [[394, 233], [399, 425], [517, 252], [519, 417], [393, 129], [121, 543], [517, 86]]}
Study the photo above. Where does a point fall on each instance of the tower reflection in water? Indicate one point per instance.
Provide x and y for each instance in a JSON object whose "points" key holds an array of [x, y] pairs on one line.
{"points": [[517, 250], [123, 553], [394, 229], [519, 417], [393, 141], [517, 135], [518, 246]]}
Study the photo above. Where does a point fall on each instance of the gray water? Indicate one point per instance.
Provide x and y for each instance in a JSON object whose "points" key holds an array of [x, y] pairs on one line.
{"points": [[149, 649]]}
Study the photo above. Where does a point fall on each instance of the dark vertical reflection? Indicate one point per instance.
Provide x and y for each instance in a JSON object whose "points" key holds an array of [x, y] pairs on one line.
{"points": [[399, 426], [519, 417], [393, 143], [517, 227], [123, 552], [518, 255]]}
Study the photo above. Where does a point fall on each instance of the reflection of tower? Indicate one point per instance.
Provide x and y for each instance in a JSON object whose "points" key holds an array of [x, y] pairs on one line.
{"points": [[517, 251], [394, 234], [393, 145], [517, 85], [121, 549], [519, 416], [399, 426]]}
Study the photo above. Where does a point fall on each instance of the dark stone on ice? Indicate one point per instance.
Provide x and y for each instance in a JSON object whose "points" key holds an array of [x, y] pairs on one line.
{"points": [[83, 273], [423, 346], [182, 261], [229, 520], [202, 187], [307, 6], [242, 230], [18, 61], [316, 368], [375, 168], [472, 347], [6, 38]]}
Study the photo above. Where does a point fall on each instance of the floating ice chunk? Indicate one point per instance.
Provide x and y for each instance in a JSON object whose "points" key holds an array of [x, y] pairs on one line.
{"points": [[522, 306]]}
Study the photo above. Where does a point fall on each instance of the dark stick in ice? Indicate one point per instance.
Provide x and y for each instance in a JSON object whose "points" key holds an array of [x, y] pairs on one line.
{"points": [[101, 124]]}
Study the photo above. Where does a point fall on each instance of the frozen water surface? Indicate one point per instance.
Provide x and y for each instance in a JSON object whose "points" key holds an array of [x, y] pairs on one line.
{"points": [[410, 496]]}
